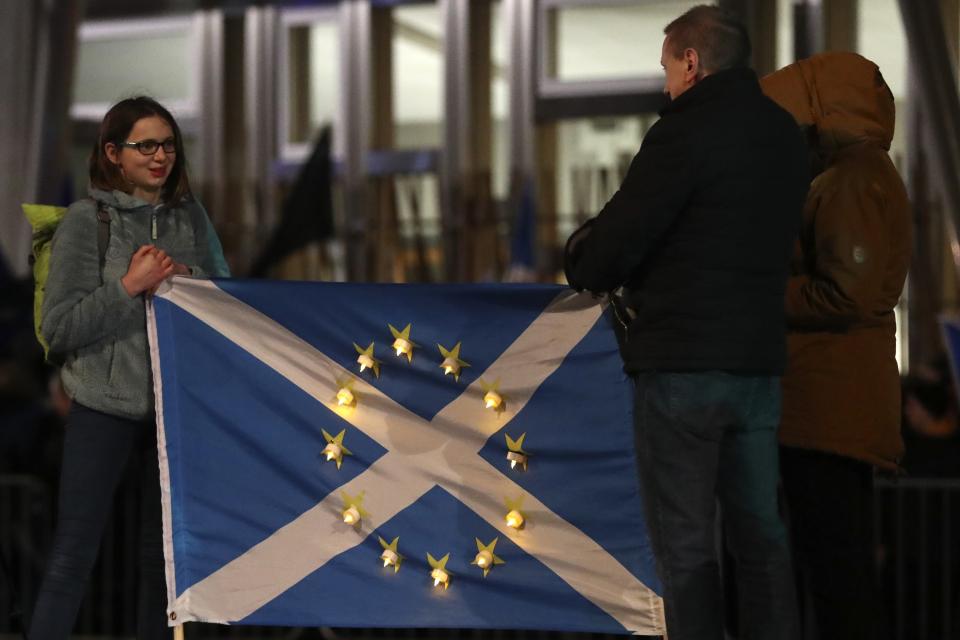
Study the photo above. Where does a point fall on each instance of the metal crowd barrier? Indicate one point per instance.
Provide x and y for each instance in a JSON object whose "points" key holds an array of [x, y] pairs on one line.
{"points": [[918, 556], [918, 543]]}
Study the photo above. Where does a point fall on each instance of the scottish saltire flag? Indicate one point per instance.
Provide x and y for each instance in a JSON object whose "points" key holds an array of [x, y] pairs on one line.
{"points": [[248, 375]]}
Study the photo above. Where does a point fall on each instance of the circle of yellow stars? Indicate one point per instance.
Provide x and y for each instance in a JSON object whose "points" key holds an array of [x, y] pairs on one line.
{"points": [[353, 512]]}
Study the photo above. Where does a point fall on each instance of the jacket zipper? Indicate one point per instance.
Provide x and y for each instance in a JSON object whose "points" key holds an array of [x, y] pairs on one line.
{"points": [[153, 225]]}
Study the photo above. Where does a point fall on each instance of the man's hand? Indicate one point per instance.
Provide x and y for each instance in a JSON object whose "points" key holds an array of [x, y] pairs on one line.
{"points": [[573, 251]]}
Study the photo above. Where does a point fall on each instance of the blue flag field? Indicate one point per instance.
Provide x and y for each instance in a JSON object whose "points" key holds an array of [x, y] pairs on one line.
{"points": [[479, 472]]}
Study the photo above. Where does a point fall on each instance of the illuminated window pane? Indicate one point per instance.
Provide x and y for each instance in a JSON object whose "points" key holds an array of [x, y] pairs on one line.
{"points": [[116, 67], [609, 40], [592, 160], [324, 74], [881, 38], [784, 33], [313, 80], [417, 76]]}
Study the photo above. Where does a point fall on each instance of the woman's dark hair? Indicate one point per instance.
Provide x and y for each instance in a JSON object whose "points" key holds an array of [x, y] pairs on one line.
{"points": [[115, 128]]}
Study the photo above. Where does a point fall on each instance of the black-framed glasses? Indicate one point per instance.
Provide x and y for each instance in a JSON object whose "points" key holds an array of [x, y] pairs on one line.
{"points": [[149, 147]]}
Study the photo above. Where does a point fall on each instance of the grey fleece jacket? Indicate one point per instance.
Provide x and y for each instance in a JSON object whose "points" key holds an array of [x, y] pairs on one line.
{"points": [[90, 321]]}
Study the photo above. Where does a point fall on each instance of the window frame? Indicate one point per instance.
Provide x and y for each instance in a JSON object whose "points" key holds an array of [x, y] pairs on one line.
{"points": [[288, 19]]}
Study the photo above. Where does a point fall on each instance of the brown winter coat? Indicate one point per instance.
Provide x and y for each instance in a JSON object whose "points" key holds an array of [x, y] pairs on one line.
{"points": [[841, 390]]}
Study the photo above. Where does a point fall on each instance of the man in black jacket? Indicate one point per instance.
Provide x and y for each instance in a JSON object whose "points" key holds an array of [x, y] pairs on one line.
{"points": [[699, 236]]}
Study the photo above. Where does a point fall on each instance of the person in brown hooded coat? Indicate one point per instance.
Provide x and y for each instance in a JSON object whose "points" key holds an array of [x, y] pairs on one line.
{"points": [[841, 389]]}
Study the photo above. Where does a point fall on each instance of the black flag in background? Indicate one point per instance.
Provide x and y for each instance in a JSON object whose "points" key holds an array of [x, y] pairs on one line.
{"points": [[307, 212]]}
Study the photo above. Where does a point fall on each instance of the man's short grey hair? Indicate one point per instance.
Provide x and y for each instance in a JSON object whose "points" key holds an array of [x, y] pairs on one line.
{"points": [[715, 34]]}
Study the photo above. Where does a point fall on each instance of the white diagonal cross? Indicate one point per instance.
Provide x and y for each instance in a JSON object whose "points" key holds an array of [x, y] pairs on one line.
{"points": [[421, 454]]}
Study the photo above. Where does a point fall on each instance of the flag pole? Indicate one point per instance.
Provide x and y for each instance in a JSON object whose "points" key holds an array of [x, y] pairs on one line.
{"points": [[178, 632]]}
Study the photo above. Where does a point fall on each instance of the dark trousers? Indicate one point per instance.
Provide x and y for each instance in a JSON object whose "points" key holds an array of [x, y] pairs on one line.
{"points": [[702, 438], [830, 506], [96, 449]]}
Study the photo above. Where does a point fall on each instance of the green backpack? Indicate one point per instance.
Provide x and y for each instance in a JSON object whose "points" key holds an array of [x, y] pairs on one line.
{"points": [[44, 220]]}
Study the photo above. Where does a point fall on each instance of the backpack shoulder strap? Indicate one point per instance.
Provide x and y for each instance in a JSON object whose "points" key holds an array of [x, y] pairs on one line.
{"points": [[103, 233]]}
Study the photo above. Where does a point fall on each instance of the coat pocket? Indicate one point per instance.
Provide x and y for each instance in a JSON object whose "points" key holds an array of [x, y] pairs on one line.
{"points": [[94, 363]]}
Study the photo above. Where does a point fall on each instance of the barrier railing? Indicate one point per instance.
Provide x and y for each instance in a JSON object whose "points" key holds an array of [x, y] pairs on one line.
{"points": [[918, 544]]}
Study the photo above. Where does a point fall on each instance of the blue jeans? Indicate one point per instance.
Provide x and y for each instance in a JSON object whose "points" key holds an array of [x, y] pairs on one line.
{"points": [[96, 449], [704, 437]]}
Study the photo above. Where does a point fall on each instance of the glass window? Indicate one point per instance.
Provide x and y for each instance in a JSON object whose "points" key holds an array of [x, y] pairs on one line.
{"points": [[324, 73], [880, 38], [607, 40], [785, 54], [417, 76], [309, 94], [592, 159], [117, 60]]}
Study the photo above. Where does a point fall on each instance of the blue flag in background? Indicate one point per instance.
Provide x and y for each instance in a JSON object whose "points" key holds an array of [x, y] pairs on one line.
{"points": [[523, 237], [247, 375], [950, 328]]}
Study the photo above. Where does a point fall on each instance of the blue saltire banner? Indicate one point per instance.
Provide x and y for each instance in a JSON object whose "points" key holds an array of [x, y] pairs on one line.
{"points": [[485, 477]]}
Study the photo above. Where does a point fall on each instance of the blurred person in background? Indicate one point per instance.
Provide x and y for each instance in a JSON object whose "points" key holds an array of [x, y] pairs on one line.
{"points": [[94, 319], [931, 432]]}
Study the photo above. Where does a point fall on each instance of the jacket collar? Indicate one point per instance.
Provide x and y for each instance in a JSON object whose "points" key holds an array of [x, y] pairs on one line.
{"points": [[120, 200], [721, 84]]}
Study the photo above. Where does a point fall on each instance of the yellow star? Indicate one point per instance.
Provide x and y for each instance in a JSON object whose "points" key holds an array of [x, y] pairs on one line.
{"points": [[393, 557], [439, 573], [515, 447], [367, 360], [346, 396], [451, 361], [402, 342], [515, 517], [491, 395], [355, 503], [486, 559], [337, 450]]}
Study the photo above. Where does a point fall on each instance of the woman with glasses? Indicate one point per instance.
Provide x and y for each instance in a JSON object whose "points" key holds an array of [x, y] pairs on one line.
{"points": [[140, 226]]}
